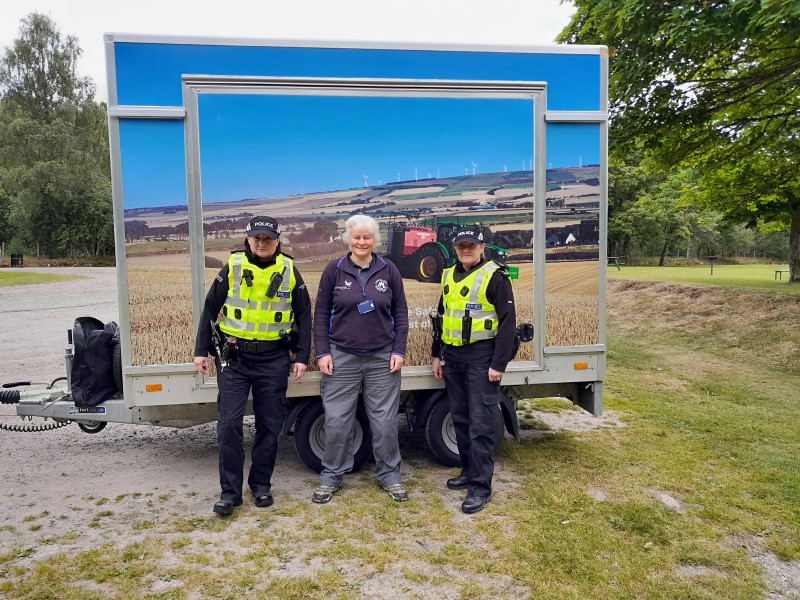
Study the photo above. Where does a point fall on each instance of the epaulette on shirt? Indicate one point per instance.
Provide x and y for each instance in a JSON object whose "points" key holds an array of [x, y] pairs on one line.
{"points": [[502, 268]]}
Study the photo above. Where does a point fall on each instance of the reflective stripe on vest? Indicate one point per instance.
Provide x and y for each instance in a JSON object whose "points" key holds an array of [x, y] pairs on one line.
{"points": [[248, 313], [456, 305]]}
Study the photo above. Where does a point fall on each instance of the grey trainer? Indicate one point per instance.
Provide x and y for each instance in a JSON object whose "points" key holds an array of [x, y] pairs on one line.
{"points": [[324, 494], [396, 491]]}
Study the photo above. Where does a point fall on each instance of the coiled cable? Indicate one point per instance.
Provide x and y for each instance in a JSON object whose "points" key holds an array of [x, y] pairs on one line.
{"points": [[31, 428]]}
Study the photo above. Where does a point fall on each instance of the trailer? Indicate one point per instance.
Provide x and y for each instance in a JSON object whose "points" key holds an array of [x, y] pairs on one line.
{"points": [[207, 132]]}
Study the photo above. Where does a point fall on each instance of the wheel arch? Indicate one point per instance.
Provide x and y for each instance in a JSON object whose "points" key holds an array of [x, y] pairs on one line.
{"points": [[424, 401], [509, 408], [298, 406]]}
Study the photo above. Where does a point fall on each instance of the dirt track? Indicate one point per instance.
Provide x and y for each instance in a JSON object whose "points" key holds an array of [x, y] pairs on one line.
{"points": [[57, 470]]}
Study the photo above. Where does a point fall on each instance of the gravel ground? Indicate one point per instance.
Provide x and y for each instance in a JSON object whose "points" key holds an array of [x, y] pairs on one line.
{"points": [[58, 470], [35, 319]]}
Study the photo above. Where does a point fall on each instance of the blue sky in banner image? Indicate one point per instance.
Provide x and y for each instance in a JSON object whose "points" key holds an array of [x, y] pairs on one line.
{"points": [[261, 146], [572, 145], [270, 146], [153, 163]]}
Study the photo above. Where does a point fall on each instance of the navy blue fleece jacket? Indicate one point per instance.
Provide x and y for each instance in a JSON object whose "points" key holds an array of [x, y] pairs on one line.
{"points": [[338, 321]]}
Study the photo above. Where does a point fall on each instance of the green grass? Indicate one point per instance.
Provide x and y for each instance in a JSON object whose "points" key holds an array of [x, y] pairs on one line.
{"points": [[9, 278], [760, 277]]}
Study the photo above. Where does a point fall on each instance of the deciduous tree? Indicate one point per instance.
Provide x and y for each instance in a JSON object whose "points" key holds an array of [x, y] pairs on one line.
{"points": [[39, 70], [54, 161], [714, 85]]}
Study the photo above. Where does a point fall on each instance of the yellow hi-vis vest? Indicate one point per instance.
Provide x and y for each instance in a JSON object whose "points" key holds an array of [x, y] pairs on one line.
{"points": [[468, 297], [248, 312]]}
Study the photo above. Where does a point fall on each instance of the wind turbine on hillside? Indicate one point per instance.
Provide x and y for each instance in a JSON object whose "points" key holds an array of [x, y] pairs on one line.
{"points": [[415, 173], [466, 171], [366, 177], [474, 166], [505, 169], [437, 172]]}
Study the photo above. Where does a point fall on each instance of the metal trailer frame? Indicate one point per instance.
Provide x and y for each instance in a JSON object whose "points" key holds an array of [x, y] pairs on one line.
{"points": [[185, 397]]}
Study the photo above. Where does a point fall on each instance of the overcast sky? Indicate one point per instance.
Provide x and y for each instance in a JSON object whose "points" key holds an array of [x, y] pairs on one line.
{"points": [[524, 22]]}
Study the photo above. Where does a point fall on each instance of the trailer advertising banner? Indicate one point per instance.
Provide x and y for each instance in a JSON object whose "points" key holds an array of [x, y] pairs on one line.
{"points": [[423, 140]]}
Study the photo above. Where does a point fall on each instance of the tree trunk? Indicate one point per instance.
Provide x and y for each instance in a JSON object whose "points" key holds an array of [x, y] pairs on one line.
{"points": [[663, 252], [794, 243]]}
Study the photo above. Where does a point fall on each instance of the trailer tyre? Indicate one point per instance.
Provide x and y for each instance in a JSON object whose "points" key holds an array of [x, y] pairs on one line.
{"points": [[309, 437], [441, 434], [92, 426]]}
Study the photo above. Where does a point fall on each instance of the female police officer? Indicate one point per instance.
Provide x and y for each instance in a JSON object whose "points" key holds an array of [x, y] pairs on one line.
{"points": [[262, 298], [477, 342]]}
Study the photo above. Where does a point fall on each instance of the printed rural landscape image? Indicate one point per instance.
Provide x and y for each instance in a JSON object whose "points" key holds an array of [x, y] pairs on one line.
{"points": [[416, 220], [418, 209]]}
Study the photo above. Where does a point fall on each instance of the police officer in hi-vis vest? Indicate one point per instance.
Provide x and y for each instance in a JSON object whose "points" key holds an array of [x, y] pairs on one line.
{"points": [[477, 342], [265, 310]]}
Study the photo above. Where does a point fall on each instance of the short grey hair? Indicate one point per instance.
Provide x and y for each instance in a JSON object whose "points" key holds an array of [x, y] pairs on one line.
{"points": [[361, 222]]}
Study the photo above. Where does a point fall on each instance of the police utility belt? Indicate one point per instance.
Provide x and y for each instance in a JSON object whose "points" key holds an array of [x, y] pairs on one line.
{"points": [[255, 346]]}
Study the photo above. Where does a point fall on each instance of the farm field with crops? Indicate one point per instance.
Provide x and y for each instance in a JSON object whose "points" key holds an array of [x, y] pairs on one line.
{"points": [[162, 329]]}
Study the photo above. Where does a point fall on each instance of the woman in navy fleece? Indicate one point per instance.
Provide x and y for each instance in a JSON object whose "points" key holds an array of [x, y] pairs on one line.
{"points": [[360, 331]]}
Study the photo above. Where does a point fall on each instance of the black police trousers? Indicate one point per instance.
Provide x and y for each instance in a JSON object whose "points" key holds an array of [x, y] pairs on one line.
{"points": [[473, 403], [267, 374]]}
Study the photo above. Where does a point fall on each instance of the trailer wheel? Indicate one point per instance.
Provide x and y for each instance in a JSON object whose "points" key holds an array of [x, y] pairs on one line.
{"points": [[309, 437], [92, 426], [441, 434], [430, 263]]}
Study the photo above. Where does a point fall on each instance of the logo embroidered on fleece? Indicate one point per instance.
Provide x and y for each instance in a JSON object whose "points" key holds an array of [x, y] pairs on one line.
{"points": [[346, 285], [381, 285]]}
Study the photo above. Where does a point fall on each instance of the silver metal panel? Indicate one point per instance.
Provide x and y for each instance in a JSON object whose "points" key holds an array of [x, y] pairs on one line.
{"points": [[111, 70], [160, 370], [322, 86], [603, 247], [148, 112], [183, 385], [574, 350], [196, 84], [576, 116], [365, 44], [194, 199], [539, 226], [124, 318], [114, 147], [114, 411]]}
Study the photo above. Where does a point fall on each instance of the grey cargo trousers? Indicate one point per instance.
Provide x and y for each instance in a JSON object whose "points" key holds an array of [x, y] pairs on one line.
{"points": [[368, 373]]}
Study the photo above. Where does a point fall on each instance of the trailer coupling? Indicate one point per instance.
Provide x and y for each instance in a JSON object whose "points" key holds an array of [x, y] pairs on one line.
{"points": [[51, 394]]}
